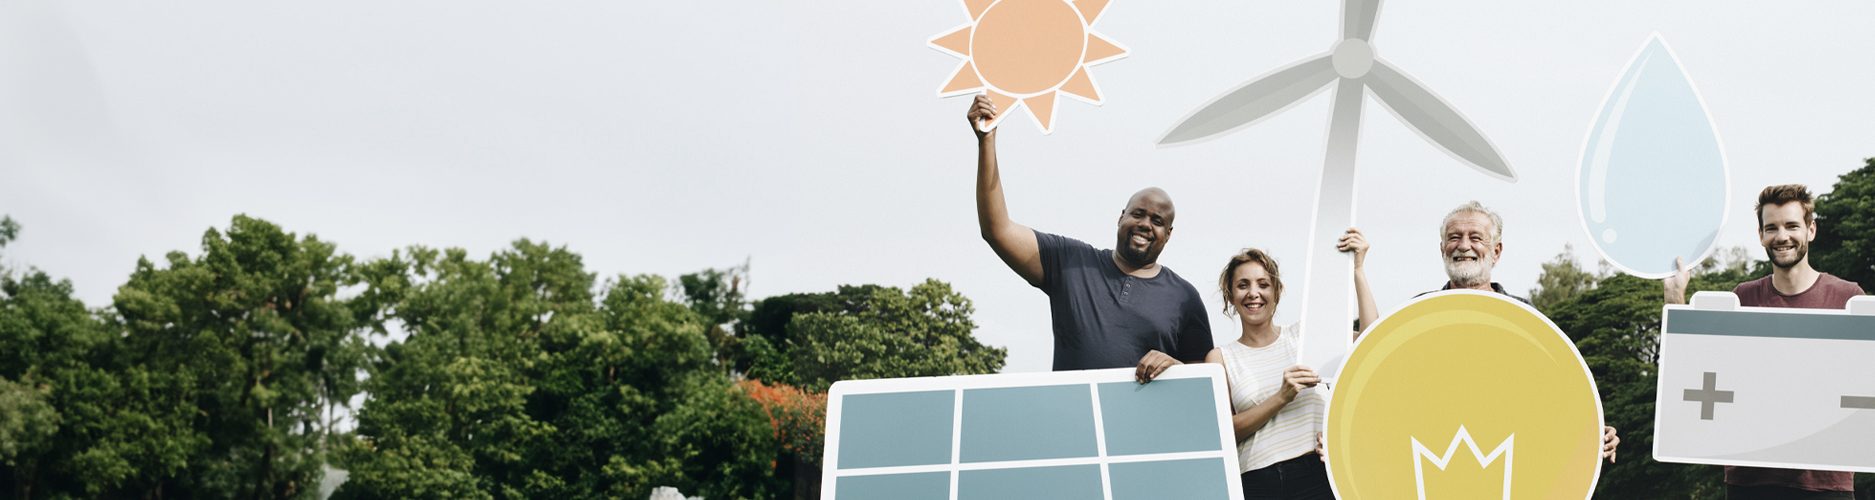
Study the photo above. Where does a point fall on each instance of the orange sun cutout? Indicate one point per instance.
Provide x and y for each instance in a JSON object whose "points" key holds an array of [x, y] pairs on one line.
{"points": [[1027, 53]]}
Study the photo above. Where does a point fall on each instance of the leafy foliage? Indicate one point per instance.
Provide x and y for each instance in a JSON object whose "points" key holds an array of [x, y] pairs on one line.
{"points": [[1845, 240], [516, 381], [1561, 281], [924, 331], [253, 333], [226, 374]]}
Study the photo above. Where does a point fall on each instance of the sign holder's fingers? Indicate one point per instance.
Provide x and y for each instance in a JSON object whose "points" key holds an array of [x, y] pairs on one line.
{"points": [[1159, 369]]}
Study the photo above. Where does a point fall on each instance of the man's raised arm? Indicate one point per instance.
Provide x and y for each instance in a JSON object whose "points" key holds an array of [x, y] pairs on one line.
{"points": [[1013, 242]]}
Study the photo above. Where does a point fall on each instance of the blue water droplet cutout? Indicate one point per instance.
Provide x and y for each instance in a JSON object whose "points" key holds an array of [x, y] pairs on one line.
{"points": [[1652, 182]]}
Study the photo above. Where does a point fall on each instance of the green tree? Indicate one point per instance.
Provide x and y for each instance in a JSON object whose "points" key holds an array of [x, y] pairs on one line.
{"points": [[218, 375], [770, 316], [1845, 240], [252, 338], [61, 362], [27, 425], [716, 443], [924, 331], [766, 345], [8, 230], [717, 294], [515, 381], [1561, 281], [1615, 323], [48, 345], [447, 414]]}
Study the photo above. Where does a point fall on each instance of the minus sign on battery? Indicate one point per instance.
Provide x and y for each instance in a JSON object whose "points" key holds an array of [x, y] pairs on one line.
{"points": [[1858, 402]]}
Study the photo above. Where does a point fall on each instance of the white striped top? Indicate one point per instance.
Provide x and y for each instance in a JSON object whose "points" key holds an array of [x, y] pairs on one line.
{"points": [[1255, 374]]}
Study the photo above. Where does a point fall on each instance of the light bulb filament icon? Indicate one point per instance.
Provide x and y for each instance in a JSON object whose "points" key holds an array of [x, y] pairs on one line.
{"points": [[1505, 450]]}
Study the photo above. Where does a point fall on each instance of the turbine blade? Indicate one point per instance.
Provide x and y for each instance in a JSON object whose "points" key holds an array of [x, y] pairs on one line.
{"points": [[1436, 120], [1254, 101], [1358, 18]]}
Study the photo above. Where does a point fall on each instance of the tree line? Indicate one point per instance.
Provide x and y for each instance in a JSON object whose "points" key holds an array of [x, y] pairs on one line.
{"points": [[229, 373]]}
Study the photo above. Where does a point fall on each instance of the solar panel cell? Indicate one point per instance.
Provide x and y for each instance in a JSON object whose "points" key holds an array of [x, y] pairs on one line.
{"points": [[1072, 482], [1028, 423], [920, 486], [1194, 479], [886, 430], [1166, 416]]}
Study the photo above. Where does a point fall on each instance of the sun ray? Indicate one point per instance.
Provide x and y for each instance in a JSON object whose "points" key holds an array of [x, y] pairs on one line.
{"points": [[1082, 87], [1042, 107], [1100, 49], [1090, 9], [956, 42], [976, 7], [964, 82], [1005, 105]]}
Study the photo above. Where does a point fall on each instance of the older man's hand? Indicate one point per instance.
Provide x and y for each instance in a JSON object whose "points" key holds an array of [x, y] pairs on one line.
{"points": [[1609, 441]]}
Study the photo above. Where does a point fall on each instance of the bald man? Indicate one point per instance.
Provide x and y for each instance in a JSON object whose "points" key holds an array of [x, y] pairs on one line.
{"points": [[1110, 308]]}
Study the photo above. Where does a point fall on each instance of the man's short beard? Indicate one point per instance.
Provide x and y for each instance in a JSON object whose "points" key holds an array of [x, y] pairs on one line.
{"points": [[1802, 251], [1136, 259], [1476, 273]]}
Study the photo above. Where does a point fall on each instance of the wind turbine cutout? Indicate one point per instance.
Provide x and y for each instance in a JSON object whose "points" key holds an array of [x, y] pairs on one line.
{"points": [[1328, 295]]}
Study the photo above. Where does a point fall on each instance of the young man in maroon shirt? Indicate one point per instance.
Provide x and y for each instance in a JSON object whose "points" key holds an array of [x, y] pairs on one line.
{"points": [[1786, 226]]}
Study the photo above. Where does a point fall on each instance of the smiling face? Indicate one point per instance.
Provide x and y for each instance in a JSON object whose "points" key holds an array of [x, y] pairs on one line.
{"points": [[1470, 249], [1144, 227], [1786, 233], [1254, 293]]}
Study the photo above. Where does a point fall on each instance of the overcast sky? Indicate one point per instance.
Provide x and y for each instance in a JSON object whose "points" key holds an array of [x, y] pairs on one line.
{"points": [[666, 137]]}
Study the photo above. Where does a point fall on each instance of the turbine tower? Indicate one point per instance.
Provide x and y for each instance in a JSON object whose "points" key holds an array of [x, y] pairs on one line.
{"points": [[1353, 69]]}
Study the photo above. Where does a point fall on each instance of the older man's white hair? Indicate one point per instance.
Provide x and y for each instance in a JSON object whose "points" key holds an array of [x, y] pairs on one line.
{"points": [[1473, 207]]}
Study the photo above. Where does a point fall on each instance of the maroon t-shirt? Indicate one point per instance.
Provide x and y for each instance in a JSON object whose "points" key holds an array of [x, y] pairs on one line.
{"points": [[1829, 292]]}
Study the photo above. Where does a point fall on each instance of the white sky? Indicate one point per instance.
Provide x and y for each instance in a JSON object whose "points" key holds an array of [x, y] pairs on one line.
{"points": [[666, 137]]}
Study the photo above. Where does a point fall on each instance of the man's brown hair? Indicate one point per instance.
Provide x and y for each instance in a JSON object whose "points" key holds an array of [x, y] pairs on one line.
{"points": [[1786, 193]]}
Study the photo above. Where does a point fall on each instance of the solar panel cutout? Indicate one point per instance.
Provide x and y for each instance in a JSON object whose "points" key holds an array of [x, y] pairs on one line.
{"points": [[1094, 435]]}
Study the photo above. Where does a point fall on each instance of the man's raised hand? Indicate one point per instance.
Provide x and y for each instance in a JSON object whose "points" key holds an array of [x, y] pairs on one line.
{"points": [[981, 113], [1675, 285]]}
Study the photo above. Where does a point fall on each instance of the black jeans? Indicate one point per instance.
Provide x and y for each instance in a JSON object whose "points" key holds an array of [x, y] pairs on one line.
{"points": [[1301, 478], [1734, 492]]}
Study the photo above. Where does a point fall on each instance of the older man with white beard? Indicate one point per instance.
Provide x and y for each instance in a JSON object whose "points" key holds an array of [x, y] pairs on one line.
{"points": [[1470, 242]]}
